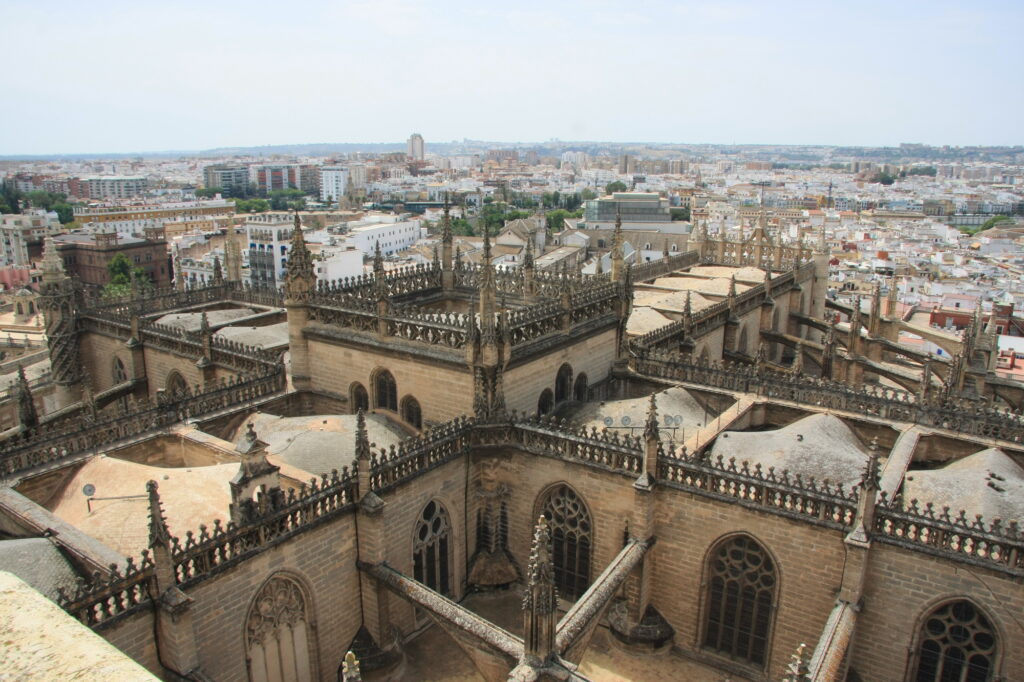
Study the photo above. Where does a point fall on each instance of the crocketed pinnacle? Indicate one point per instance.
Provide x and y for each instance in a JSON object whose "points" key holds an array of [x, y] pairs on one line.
{"points": [[651, 426], [159, 535], [362, 439], [300, 261], [540, 576]]}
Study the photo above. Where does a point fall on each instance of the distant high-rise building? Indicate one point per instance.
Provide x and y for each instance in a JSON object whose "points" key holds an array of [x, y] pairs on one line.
{"points": [[416, 147], [333, 182], [227, 177]]}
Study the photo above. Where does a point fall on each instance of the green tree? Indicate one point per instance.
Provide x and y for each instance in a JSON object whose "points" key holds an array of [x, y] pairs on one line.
{"points": [[588, 195], [680, 213], [993, 221], [209, 192], [463, 227], [120, 270], [556, 218], [280, 198], [615, 186], [10, 198], [251, 205]]}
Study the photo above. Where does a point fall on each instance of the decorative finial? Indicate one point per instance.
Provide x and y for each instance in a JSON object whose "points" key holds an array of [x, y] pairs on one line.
{"points": [[159, 535], [651, 427]]}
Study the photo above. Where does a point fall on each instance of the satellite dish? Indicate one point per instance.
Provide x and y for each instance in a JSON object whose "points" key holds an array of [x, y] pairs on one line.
{"points": [[679, 419], [626, 420], [88, 490], [668, 420], [608, 421]]}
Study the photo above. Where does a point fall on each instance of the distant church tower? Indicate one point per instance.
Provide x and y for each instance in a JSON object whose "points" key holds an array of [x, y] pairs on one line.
{"points": [[57, 300]]}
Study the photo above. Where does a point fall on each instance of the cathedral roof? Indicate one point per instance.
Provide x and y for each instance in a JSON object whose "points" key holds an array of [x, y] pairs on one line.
{"points": [[317, 444], [39, 563], [190, 495], [192, 321], [820, 446], [672, 402], [988, 482]]}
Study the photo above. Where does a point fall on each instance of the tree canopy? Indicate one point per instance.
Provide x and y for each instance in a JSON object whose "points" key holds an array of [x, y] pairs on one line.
{"points": [[120, 270], [615, 186], [52, 201]]}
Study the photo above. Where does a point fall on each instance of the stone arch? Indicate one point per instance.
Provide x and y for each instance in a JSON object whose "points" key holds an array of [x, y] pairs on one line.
{"points": [[572, 538], [280, 632], [18, 309], [432, 548], [563, 383], [739, 600], [546, 402], [411, 413], [955, 639], [175, 384], [580, 388], [704, 357], [358, 398], [385, 390]]}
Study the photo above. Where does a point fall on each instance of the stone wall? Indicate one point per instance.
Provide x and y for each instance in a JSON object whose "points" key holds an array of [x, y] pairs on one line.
{"points": [[593, 356], [444, 391], [903, 586], [322, 560]]}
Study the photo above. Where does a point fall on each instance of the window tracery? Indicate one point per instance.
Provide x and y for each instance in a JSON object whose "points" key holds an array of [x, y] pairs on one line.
{"points": [[571, 540], [740, 600], [957, 644]]}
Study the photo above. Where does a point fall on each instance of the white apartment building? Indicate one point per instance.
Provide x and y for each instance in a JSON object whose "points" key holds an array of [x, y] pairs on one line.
{"points": [[393, 234], [334, 182], [116, 186], [337, 262], [18, 229]]}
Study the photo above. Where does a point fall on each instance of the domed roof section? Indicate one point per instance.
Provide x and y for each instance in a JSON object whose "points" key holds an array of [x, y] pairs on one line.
{"points": [[316, 444], [820, 446], [191, 322], [190, 496], [674, 402], [988, 482]]}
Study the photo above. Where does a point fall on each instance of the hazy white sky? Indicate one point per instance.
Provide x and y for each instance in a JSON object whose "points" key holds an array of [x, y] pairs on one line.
{"points": [[148, 75]]}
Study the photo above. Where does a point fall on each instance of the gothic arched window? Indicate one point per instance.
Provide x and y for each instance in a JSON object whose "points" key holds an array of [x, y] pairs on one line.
{"points": [[279, 633], [118, 372], [740, 599], [359, 397], [431, 551], [386, 391], [563, 383], [957, 643], [579, 391], [571, 540], [546, 402], [411, 412]]}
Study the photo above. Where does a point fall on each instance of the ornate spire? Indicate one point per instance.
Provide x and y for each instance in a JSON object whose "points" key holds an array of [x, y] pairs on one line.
{"points": [[617, 257], [27, 414], [528, 254], [218, 273], [540, 598], [159, 535], [893, 298], [378, 260], [687, 307], [53, 266], [446, 222], [651, 425], [797, 669], [232, 254], [362, 440], [300, 277]]}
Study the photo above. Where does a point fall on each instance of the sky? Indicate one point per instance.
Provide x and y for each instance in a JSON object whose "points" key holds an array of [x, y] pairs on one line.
{"points": [[117, 77]]}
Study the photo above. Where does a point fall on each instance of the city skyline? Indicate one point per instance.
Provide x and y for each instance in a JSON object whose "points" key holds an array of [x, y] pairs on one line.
{"points": [[202, 77]]}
